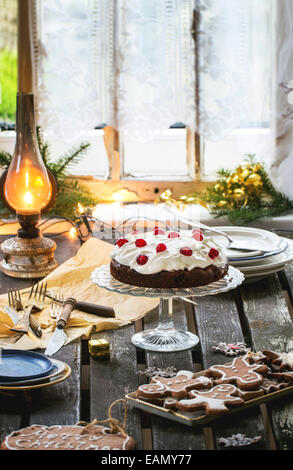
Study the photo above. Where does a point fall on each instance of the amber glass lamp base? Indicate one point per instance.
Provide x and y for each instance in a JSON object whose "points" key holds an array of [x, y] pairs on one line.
{"points": [[29, 254]]}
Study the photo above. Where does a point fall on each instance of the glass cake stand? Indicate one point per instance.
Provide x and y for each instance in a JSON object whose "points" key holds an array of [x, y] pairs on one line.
{"points": [[165, 338]]}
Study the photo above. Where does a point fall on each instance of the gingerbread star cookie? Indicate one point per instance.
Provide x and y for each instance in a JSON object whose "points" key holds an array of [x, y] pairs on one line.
{"points": [[38, 437], [280, 361], [176, 387], [214, 401], [246, 376]]}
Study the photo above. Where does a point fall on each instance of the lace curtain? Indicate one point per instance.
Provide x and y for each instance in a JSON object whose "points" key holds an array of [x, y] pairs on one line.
{"points": [[282, 165], [140, 65]]}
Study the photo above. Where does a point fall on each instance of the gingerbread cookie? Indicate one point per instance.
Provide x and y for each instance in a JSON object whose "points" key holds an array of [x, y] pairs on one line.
{"points": [[280, 361], [250, 394], [38, 437], [271, 385], [241, 373], [256, 357], [284, 375], [231, 349], [177, 386], [214, 401]]}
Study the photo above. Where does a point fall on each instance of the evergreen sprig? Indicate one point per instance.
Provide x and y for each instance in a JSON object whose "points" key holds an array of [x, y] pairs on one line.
{"points": [[246, 194]]}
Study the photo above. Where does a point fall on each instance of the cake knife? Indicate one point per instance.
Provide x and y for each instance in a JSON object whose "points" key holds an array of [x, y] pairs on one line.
{"points": [[87, 307]]}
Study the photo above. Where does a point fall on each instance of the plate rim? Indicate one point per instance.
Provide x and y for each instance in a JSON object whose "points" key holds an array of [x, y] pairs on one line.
{"points": [[60, 366], [251, 269], [265, 255], [26, 352], [64, 376], [225, 228]]}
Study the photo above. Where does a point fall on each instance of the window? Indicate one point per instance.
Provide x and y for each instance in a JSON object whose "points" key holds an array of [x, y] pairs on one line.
{"points": [[7, 60], [177, 154]]}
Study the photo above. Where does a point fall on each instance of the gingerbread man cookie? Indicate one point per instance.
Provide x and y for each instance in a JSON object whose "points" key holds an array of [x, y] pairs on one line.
{"points": [[38, 437], [214, 401], [246, 376], [177, 386]]}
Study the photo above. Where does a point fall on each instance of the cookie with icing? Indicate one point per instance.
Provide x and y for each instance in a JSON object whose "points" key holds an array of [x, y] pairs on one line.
{"points": [[280, 361], [271, 385], [240, 372], [217, 400], [38, 437], [282, 376], [177, 386]]}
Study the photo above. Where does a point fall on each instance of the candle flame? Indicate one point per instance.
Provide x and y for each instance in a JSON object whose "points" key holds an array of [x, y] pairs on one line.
{"points": [[28, 198]]}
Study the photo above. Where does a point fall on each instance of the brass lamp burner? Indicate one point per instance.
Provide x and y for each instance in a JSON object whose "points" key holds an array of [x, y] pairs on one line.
{"points": [[29, 254]]}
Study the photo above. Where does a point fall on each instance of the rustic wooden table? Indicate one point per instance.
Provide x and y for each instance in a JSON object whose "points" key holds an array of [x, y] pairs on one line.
{"points": [[259, 313]]}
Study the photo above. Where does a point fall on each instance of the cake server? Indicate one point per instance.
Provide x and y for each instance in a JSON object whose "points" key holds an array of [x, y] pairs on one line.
{"points": [[59, 336]]}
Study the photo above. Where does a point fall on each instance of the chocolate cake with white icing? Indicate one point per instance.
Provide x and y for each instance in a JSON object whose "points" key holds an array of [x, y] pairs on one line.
{"points": [[168, 259]]}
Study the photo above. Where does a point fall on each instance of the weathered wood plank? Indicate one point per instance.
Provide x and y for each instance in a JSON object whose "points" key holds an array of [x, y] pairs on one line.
{"points": [[60, 403], [166, 434], [271, 327], [112, 379], [217, 321]]}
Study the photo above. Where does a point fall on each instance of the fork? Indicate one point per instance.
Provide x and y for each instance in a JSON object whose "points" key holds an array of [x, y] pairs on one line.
{"points": [[26, 321], [14, 300], [57, 306], [37, 295]]}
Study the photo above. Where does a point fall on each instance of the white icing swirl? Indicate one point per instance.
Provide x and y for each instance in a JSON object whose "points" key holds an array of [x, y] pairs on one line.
{"points": [[171, 259]]}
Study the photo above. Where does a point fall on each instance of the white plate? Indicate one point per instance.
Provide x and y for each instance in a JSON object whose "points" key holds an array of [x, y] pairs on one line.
{"points": [[262, 238], [263, 274], [271, 263], [257, 259]]}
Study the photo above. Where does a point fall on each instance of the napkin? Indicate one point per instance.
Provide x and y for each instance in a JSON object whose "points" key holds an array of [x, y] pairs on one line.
{"points": [[73, 279]]}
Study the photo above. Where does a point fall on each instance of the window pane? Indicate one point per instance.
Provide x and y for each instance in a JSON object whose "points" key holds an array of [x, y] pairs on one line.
{"points": [[164, 157], [95, 161], [8, 63], [255, 136]]}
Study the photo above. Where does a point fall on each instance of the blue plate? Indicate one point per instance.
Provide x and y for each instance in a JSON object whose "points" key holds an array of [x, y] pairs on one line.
{"points": [[17, 364]]}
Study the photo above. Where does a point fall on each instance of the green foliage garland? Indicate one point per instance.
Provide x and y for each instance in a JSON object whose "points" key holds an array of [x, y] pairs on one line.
{"points": [[244, 195]]}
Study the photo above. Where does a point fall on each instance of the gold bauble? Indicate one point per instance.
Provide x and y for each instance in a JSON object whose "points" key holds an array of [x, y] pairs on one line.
{"points": [[222, 203], [254, 179]]}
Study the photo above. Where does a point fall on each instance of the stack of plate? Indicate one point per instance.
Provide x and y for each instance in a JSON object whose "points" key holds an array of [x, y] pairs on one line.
{"points": [[272, 255], [26, 370]]}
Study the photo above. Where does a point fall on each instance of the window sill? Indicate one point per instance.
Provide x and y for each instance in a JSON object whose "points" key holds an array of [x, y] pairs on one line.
{"points": [[119, 212]]}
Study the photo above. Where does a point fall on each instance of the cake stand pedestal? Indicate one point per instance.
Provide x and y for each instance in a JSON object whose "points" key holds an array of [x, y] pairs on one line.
{"points": [[165, 338]]}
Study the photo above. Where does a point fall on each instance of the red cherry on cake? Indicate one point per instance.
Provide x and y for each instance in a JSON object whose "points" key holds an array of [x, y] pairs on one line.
{"points": [[161, 247], [140, 242], [213, 253], [142, 259], [173, 235], [158, 231], [197, 235], [121, 242], [186, 251]]}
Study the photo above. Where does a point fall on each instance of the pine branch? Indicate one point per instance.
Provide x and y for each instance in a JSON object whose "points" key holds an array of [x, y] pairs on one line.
{"points": [[5, 158], [69, 158], [43, 146]]}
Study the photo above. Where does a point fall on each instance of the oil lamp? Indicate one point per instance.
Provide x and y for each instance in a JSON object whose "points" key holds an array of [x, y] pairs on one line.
{"points": [[27, 190]]}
